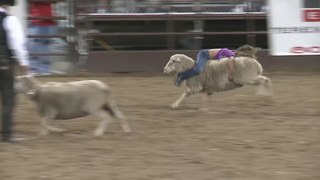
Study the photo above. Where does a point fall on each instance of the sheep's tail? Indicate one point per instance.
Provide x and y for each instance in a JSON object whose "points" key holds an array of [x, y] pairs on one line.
{"points": [[259, 68], [112, 107]]}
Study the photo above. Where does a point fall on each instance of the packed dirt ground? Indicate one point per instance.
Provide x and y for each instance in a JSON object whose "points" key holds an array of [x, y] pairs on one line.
{"points": [[242, 136]]}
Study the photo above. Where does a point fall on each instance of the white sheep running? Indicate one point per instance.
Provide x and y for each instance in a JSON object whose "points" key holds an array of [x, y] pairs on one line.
{"points": [[214, 78], [69, 100]]}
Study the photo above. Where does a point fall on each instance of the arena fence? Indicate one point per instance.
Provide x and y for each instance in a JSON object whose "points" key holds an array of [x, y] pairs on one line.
{"points": [[103, 35]]}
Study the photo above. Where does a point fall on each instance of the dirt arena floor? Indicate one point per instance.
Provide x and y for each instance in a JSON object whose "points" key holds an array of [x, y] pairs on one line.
{"points": [[241, 137]]}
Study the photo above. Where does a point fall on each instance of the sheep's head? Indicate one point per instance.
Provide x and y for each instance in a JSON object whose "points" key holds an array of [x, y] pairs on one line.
{"points": [[26, 84], [20, 84], [247, 51], [178, 63], [19, 87]]}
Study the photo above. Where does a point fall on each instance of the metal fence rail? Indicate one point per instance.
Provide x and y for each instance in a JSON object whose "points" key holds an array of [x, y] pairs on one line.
{"points": [[154, 6]]}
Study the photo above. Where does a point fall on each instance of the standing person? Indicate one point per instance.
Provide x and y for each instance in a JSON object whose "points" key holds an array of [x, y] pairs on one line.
{"points": [[12, 52], [40, 65]]}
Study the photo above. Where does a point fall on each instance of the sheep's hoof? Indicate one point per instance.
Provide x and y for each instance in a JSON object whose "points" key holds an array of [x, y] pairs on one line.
{"points": [[174, 106], [269, 100], [98, 133], [126, 129], [262, 91], [58, 130], [44, 132], [204, 109], [124, 125]]}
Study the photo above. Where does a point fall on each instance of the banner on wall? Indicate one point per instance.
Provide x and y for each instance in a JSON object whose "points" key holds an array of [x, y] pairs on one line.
{"points": [[294, 27]]}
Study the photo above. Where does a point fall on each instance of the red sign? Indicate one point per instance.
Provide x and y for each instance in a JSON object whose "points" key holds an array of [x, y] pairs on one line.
{"points": [[311, 15], [302, 50]]}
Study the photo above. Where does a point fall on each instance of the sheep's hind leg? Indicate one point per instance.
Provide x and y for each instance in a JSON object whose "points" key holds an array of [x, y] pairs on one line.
{"points": [[124, 125], [264, 85], [177, 103], [113, 109], [103, 117]]}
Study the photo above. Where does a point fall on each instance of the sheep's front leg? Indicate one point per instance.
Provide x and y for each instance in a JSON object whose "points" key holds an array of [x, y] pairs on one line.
{"points": [[47, 121], [206, 101], [50, 129], [103, 117], [177, 103], [45, 126]]}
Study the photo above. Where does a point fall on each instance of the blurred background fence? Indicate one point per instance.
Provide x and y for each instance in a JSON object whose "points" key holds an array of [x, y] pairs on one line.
{"points": [[106, 27]]}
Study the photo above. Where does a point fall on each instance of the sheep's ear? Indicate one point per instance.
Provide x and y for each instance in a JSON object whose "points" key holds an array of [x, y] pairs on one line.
{"points": [[177, 59], [31, 93]]}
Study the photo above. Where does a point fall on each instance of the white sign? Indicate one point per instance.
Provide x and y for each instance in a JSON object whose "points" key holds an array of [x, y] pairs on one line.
{"points": [[294, 27]]}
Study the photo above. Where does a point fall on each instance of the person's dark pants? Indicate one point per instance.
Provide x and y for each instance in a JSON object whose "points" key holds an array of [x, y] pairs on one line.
{"points": [[7, 102]]}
